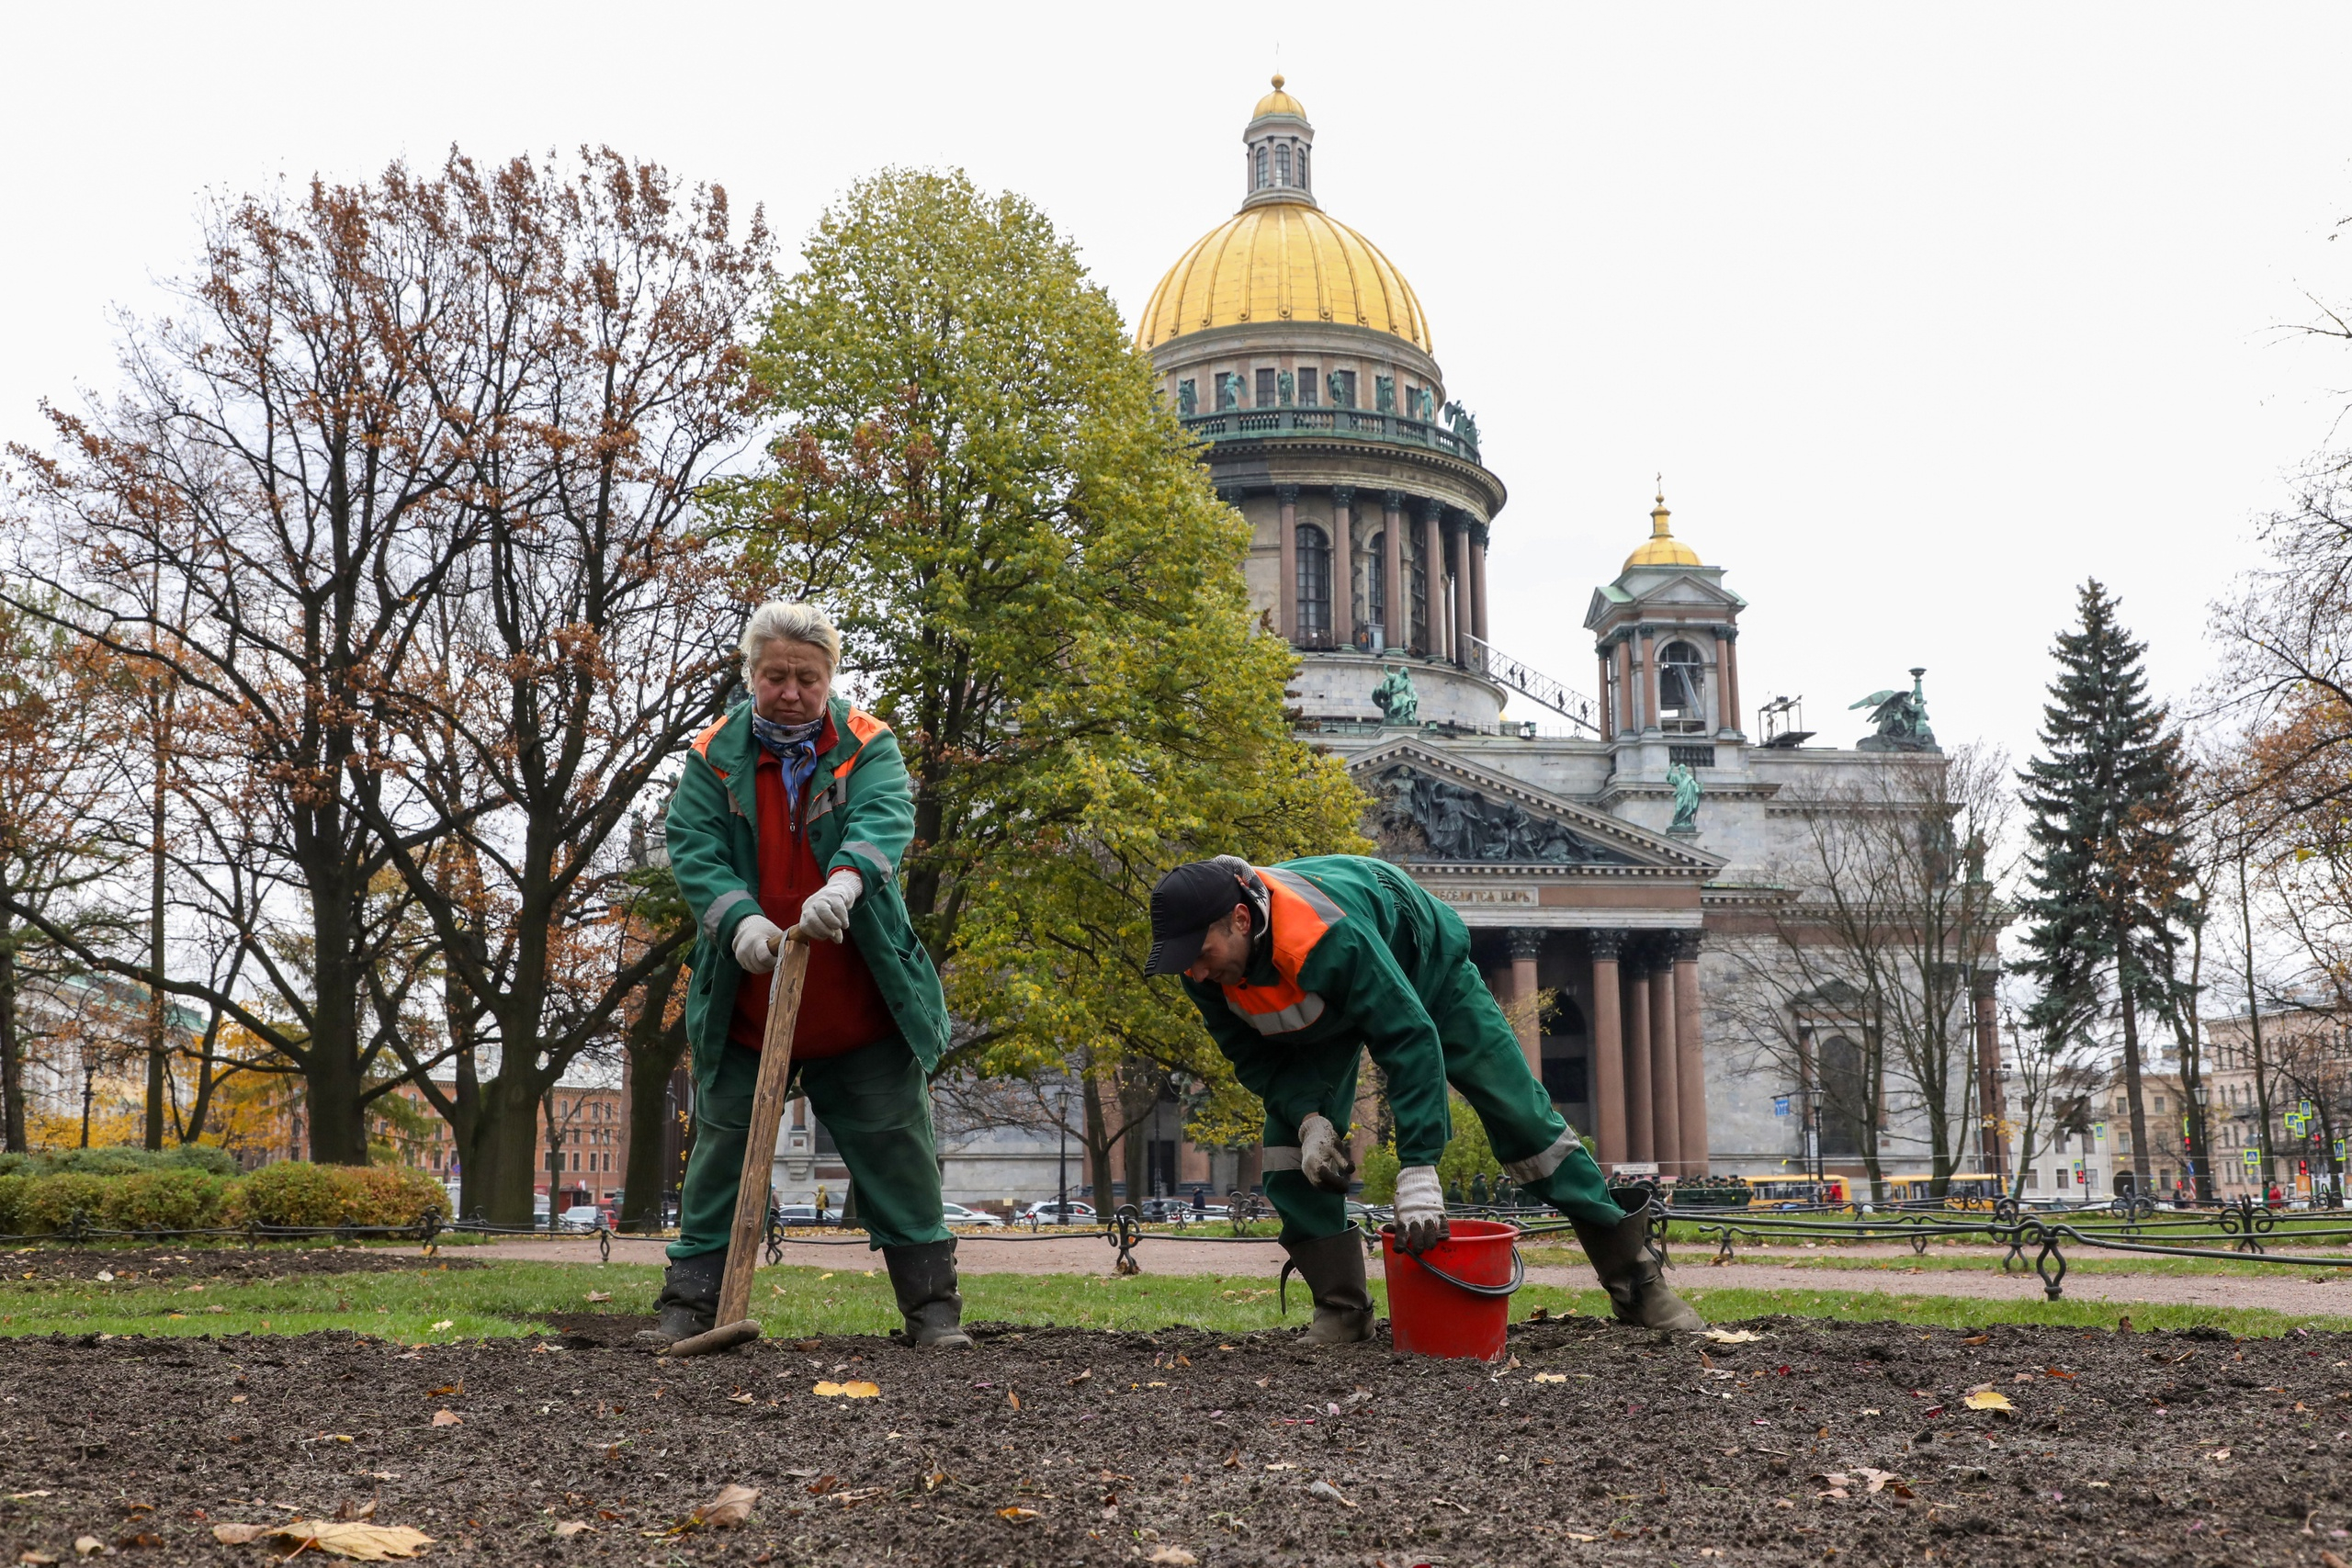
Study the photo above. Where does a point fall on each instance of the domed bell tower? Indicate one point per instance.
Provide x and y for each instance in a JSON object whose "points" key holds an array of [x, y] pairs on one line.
{"points": [[1278, 146]]}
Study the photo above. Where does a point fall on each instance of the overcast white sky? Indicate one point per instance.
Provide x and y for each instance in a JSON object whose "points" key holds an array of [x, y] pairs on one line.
{"points": [[1925, 313]]}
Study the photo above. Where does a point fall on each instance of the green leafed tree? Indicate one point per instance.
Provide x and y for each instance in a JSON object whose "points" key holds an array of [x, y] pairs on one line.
{"points": [[1039, 590], [2111, 877]]}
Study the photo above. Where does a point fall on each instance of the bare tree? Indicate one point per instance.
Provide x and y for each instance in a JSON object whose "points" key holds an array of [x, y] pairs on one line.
{"points": [[1862, 995]]}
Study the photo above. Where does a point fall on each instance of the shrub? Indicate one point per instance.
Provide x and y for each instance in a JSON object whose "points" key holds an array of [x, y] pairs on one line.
{"points": [[49, 1203], [295, 1192], [167, 1199]]}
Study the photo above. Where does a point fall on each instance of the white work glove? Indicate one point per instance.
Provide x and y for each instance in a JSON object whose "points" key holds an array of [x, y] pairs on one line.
{"points": [[757, 944], [1420, 1209], [1324, 1157], [824, 913]]}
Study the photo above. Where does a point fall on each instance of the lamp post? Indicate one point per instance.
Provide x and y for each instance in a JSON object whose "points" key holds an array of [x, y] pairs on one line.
{"points": [[1061, 1167]]}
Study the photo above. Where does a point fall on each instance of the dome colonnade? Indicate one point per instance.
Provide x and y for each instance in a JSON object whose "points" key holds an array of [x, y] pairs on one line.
{"points": [[1296, 349]]}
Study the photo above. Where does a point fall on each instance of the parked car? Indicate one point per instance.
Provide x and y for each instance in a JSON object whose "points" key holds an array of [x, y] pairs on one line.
{"points": [[959, 1215], [1047, 1212], [579, 1217]]}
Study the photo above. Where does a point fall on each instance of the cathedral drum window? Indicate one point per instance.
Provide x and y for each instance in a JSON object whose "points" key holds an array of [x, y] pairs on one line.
{"points": [[1681, 680], [1266, 389], [1314, 586], [1309, 379]]}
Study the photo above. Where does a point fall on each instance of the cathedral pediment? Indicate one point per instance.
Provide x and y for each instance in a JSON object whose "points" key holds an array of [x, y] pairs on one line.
{"points": [[1435, 810], [1678, 588]]}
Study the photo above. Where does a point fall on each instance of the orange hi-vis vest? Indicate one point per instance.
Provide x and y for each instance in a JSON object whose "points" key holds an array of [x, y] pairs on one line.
{"points": [[1298, 914]]}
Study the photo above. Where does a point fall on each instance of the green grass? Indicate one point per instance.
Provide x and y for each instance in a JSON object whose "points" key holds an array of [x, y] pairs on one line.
{"points": [[520, 1298], [2079, 1260]]}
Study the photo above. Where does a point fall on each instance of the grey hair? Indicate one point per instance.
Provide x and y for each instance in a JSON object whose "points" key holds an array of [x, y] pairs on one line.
{"points": [[776, 621]]}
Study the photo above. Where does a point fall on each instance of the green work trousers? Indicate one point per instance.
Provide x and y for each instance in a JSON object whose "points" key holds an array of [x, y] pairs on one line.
{"points": [[1484, 1063], [876, 1104]]}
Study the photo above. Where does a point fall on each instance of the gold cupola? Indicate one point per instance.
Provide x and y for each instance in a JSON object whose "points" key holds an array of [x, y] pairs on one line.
{"points": [[1662, 549], [1281, 259]]}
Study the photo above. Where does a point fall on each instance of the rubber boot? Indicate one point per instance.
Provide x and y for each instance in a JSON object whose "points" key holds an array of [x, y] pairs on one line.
{"points": [[1630, 1272], [1332, 1266], [688, 1304], [924, 1279]]}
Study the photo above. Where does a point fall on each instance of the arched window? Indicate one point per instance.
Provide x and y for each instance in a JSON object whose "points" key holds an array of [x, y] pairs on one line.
{"points": [[1844, 1101], [1681, 690], [1281, 165], [1314, 586], [1375, 583], [1302, 170], [1262, 166]]}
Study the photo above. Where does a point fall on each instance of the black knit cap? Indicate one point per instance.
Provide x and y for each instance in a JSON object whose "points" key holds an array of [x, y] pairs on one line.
{"points": [[1186, 903]]}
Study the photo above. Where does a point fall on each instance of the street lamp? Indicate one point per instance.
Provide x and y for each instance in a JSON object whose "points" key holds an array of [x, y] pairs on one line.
{"points": [[1061, 1170]]}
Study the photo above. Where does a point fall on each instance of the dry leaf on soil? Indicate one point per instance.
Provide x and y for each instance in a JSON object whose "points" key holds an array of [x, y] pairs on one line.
{"points": [[41, 1558], [363, 1543], [1988, 1399], [1734, 1335], [848, 1390], [89, 1545], [1172, 1557], [600, 1295], [1325, 1489], [237, 1535], [569, 1527], [731, 1507], [448, 1419], [1018, 1515]]}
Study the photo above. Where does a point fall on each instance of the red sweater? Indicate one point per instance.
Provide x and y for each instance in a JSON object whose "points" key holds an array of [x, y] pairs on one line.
{"points": [[840, 1007]]}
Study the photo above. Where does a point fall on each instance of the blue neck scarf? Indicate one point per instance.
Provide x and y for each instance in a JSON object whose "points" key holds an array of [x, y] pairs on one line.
{"points": [[794, 747]]}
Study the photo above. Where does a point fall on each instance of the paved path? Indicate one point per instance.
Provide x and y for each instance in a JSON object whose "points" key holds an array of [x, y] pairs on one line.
{"points": [[1086, 1253]]}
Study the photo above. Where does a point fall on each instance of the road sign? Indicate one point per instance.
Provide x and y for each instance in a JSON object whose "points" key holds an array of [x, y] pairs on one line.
{"points": [[1780, 1105], [2253, 1159]]}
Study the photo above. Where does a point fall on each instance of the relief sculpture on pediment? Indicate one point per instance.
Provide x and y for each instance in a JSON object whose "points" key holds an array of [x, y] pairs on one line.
{"points": [[1420, 818]]}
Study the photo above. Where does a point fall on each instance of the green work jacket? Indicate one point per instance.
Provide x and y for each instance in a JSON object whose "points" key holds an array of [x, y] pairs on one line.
{"points": [[861, 815], [1392, 954]]}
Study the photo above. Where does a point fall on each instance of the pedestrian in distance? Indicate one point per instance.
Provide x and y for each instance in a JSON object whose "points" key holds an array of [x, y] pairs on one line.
{"points": [[793, 810], [1298, 969]]}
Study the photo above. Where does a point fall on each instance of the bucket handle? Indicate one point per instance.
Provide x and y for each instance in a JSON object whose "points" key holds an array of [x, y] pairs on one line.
{"points": [[1518, 1277]]}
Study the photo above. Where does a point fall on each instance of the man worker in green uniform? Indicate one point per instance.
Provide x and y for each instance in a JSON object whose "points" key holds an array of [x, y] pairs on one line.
{"points": [[1298, 969], [793, 809]]}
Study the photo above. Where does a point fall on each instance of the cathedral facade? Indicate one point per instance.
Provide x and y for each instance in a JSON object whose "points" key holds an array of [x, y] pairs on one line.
{"points": [[1610, 857]]}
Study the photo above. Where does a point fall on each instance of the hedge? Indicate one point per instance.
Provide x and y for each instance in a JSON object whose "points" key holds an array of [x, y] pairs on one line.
{"points": [[292, 1193]]}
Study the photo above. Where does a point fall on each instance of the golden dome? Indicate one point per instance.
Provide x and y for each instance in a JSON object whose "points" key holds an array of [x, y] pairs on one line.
{"points": [[1662, 549], [1282, 262], [1279, 102]]}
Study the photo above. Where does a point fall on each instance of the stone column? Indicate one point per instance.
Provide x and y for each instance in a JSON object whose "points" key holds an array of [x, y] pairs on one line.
{"points": [[1458, 551], [1647, 657], [1433, 638], [1478, 581], [1344, 567], [1396, 617], [1604, 704], [1727, 722], [1691, 1079], [1524, 945], [1287, 617], [1628, 719], [1666, 1067], [1641, 1139], [1988, 1070], [1607, 1049]]}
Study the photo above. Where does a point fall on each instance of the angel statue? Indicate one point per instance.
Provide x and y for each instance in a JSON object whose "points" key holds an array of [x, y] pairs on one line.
{"points": [[1395, 696], [1685, 781], [1901, 718]]}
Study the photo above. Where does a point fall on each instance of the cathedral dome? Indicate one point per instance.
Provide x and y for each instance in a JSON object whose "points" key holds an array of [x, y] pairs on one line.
{"points": [[1662, 549], [1281, 259], [1282, 262]]}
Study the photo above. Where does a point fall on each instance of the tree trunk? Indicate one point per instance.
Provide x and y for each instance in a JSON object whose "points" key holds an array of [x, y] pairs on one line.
{"points": [[504, 1167], [2131, 1086], [1098, 1144], [12, 1048], [653, 1049]]}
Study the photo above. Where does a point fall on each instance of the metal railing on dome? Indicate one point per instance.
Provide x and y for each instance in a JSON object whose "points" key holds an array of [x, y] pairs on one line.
{"points": [[1253, 425]]}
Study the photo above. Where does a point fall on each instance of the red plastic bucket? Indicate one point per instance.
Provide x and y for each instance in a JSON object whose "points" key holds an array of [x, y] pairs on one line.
{"points": [[1454, 1299]]}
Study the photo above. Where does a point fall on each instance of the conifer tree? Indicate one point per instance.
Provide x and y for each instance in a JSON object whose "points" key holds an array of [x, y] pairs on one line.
{"points": [[2107, 803]]}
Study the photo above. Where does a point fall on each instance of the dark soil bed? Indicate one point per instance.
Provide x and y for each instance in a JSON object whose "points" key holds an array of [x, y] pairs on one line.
{"points": [[212, 1263], [1821, 1441]]}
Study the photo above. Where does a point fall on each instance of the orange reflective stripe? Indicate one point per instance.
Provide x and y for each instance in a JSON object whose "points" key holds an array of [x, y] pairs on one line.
{"points": [[1299, 915], [865, 726], [702, 743]]}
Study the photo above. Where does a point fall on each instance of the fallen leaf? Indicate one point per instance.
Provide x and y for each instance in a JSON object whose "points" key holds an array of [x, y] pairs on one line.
{"points": [[446, 1388], [1988, 1399], [1073, 1382], [1325, 1489], [1013, 1399], [740, 1398], [1018, 1515], [448, 1419], [847, 1390], [364, 1542], [89, 1545], [1172, 1557], [598, 1296], [569, 1527], [2219, 1454], [1734, 1335], [108, 1275], [28, 1555], [731, 1507], [1233, 1460], [1978, 1340], [1551, 1377], [807, 1344], [237, 1535], [444, 1323], [236, 1399]]}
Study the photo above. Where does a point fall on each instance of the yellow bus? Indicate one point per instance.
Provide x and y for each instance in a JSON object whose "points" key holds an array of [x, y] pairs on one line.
{"points": [[1962, 1189]]}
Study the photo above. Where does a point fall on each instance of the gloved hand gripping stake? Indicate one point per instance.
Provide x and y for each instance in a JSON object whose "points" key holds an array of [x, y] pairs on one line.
{"points": [[755, 1192]]}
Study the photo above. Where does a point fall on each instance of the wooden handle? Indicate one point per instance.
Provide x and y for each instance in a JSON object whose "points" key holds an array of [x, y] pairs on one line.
{"points": [[756, 1190]]}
